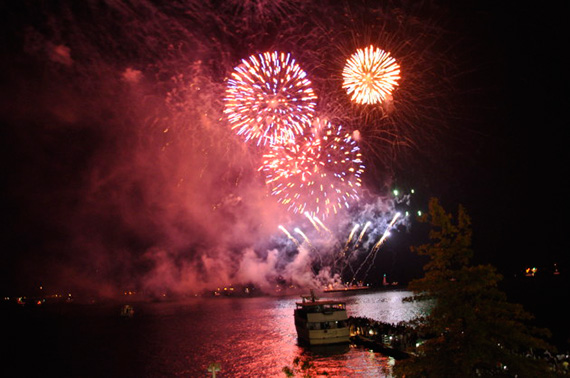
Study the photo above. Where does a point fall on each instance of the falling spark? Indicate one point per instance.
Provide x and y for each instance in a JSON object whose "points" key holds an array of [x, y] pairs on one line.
{"points": [[289, 235], [322, 224], [387, 232], [363, 231], [298, 230], [310, 218], [354, 229], [345, 249], [374, 249]]}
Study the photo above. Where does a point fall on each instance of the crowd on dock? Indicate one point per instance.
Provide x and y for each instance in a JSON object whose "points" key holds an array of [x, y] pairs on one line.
{"points": [[398, 339], [401, 341]]}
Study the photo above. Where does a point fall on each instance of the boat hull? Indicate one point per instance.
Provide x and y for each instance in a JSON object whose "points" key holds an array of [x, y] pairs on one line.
{"points": [[319, 323], [323, 337]]}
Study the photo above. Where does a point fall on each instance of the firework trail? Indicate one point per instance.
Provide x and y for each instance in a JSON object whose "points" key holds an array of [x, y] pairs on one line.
{"points": [[318, 224], [346, 254], [269, 99], [289, 235], [376, 246], [386, 233], [322, 225], [312, 220], [298, 230], [352, 232], [311, 247], [363, 232]]}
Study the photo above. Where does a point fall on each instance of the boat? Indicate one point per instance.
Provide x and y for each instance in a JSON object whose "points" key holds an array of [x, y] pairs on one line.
{"points": [[320, 322], [345, 288]]}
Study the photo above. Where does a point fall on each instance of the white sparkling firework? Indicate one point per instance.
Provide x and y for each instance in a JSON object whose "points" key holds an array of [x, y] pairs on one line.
{"points": [[374, 251], [269, 99], [386, 233]]}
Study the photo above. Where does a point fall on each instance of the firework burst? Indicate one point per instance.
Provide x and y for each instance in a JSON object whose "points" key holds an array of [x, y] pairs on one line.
{"points": [[341, 152], [419, 110], [370, 75], [292, 172], [269, 99], [317, 176], [167, 79]]}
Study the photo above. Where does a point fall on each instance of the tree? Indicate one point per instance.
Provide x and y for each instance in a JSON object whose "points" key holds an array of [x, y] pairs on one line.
{"points": [[474, 330]]}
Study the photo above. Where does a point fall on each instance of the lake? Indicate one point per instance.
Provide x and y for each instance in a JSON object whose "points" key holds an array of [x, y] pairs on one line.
{"points": [[247, 337]]}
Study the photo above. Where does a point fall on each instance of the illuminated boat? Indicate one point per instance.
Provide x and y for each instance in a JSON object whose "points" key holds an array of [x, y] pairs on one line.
{"points": [[345, 288], [321, 322]]}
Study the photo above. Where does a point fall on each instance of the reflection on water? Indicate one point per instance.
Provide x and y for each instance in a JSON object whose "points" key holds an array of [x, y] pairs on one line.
{"points": [[385, 306], [347, 361], [256, 336], [246, 336]]}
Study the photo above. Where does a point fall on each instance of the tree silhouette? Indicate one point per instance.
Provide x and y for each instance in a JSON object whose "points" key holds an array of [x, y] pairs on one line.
{"points": [[473, 330]]}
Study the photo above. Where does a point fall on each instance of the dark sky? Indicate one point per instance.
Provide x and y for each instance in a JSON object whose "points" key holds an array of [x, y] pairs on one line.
{"points": [[501, 153], [514, 190]]}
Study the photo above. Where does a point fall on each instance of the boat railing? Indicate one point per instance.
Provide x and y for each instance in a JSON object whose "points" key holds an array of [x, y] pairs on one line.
{"points": [[325, 309]]}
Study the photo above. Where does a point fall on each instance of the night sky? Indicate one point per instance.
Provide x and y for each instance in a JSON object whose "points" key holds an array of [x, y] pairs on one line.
{"points": [[512, 186], [116, 169]]}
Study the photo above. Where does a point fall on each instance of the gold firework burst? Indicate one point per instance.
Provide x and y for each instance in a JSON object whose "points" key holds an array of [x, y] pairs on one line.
{"points": [[370, 75]]}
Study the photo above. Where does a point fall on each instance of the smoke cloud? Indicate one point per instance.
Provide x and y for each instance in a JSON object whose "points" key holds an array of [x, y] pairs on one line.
{"points": [[126, 171]]}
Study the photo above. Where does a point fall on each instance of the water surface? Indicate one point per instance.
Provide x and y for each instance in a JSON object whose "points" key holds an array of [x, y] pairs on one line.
{"points": [[248, 337]]}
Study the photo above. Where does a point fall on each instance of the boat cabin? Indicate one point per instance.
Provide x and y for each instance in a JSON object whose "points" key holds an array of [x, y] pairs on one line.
{"points": [[321, 322]]}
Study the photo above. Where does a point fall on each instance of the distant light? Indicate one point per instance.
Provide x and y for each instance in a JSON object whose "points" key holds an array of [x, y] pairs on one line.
{"points": [[419, 213], [396, 192]]}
